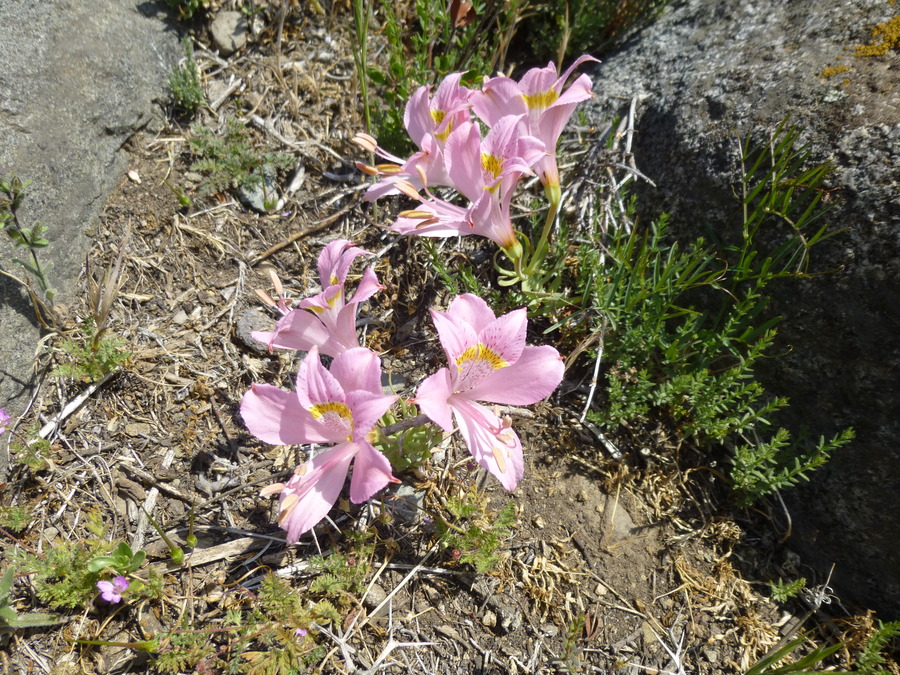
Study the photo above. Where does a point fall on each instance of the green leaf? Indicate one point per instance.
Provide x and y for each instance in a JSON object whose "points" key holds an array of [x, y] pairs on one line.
{"points": [[101, 563], [6, 582], [377, 77]]}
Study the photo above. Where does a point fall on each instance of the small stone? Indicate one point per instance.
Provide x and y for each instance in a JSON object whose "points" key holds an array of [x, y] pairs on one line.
{"points": [[539, 523], [711, 654], [134, 177], [261, 196], [135, 429], [489, 619], [406, 504], [180, 317], [248, 322], [229, 32], [375, 597]]}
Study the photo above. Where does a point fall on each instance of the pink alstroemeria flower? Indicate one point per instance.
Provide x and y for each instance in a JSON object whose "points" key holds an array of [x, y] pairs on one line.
{"points": [[486, 172], [429, 121], [325, 320], [338, 405], [540, 97], [490, 362]]}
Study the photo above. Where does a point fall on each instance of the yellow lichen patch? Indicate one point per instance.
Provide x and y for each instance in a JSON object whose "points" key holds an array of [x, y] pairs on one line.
{"points": [[886, 36], [832, 71]]}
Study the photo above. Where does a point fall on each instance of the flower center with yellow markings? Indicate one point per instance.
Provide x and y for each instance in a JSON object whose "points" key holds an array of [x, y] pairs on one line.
{"points": [[335, 415], [492, 165], [541, 100], [475, 364]]}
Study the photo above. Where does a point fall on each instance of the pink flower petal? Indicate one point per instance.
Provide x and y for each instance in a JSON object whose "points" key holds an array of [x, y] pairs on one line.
{"points": [[315, 384], [313, 489], [366, 409], [335, 260], [298, 329], [462, 157], [433, 396], [493, 444], [371, 473], [275, 416], [455, 334], [505, 336], [471, 309], [358, 368], [535, 376], [368, 286]]}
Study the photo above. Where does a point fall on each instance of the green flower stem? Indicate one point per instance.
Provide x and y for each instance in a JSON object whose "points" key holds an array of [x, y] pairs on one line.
{"points": [[543, 246]]}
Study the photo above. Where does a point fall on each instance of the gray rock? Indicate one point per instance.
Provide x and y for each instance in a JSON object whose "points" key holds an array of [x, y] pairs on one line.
{"points": [[261, 196], [708, 73], [229, 32], [78, 79]]}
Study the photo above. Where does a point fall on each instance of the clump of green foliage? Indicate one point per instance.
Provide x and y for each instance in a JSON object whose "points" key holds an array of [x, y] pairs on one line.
{"points": [[90, 359], [32, 452], [768, 664], [683, 327], [187, 8], [231, 160], [10, 618], [410, 448], [871, 658], [476, 531], [559, 27], [66, 574], [423, 47], [277, 629], [14, 518], [12, 196], [782, 591], [184, 81]]}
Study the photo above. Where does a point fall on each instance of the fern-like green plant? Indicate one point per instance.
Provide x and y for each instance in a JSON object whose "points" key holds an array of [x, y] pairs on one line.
{"points": [[684, 326], [230, 160], [872, 656], [184, 82]]}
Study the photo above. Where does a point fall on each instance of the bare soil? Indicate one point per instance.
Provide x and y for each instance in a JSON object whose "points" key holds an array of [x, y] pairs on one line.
{"points": [[633, 564]]}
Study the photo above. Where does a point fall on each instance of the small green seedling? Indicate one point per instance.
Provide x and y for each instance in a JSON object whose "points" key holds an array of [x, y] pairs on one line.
{"points": [[175, 551], [123, 560]]}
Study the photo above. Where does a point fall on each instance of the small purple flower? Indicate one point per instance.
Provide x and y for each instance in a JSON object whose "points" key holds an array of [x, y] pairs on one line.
{"points": [[111, 591], [4, 420], [300, 633]]}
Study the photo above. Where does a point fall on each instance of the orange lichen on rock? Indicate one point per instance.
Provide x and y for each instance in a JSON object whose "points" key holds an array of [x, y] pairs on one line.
{"points": [[831, 71], [886, 36]]}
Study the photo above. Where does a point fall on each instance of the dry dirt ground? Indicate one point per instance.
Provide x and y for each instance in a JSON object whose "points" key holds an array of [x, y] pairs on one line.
{"points": [[631, 565]]}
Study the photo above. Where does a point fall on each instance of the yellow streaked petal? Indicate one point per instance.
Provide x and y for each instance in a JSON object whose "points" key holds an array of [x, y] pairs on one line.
{"points": [[501, 460]]}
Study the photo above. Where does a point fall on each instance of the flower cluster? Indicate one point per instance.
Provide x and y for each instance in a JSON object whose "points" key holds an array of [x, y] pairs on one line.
{"points": [[525, 120], [4, 420], [342, 404]]}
